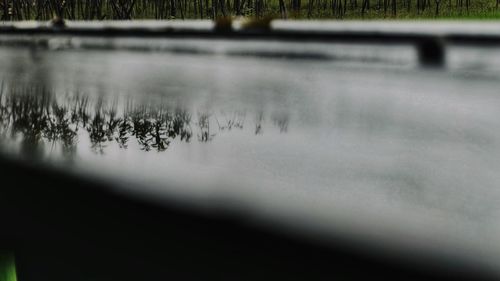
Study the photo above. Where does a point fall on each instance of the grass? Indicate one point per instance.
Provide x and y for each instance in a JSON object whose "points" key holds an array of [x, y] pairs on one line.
{"points": [[7, 268], [408, 10], [211, 9]]}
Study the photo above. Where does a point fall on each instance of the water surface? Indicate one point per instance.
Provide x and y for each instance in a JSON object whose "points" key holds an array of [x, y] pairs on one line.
{"points": [[359, 142]]}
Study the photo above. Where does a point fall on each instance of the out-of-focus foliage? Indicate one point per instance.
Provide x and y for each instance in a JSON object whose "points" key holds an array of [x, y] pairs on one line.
{"points": [[210, 9], [7, 268]]}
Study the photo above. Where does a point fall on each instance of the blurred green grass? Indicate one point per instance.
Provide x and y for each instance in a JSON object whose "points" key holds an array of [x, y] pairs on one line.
{"points": [[213, 9], [7, 268], [448, 10]]}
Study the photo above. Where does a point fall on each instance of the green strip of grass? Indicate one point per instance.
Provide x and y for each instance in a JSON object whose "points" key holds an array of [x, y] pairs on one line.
{"points": [[7, 268], [210, 9]]}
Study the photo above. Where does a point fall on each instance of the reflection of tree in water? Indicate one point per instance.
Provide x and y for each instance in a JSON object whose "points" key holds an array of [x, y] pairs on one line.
{"points": [[154, 127], [204, 126], [79, 113], [259, 119], [179, 128], [4, 113], [281, 121], [35, 118], [59, 128], [150, 128], [28, 119], [102, 126], [123, 132], [228, 121], [97, 132]]}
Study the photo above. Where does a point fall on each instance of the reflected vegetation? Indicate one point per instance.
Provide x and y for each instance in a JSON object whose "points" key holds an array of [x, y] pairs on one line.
{"points": [[37, 119]]}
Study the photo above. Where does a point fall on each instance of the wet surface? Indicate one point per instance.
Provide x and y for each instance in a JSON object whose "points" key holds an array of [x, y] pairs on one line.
{"points": [[375, 148]]}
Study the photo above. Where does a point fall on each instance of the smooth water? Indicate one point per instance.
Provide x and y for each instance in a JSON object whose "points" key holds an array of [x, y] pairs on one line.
{"points": [[361, 142]]}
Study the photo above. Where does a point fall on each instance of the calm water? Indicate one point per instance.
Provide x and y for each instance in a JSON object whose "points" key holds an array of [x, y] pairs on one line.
{"points": [[355, 140]]}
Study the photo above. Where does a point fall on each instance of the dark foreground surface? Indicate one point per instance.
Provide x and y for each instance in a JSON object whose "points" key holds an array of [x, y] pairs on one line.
{"points": [[87, 232]]}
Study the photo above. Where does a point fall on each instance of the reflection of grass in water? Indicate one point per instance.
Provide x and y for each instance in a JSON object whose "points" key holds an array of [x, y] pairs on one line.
{"points": [[7, 268]]}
